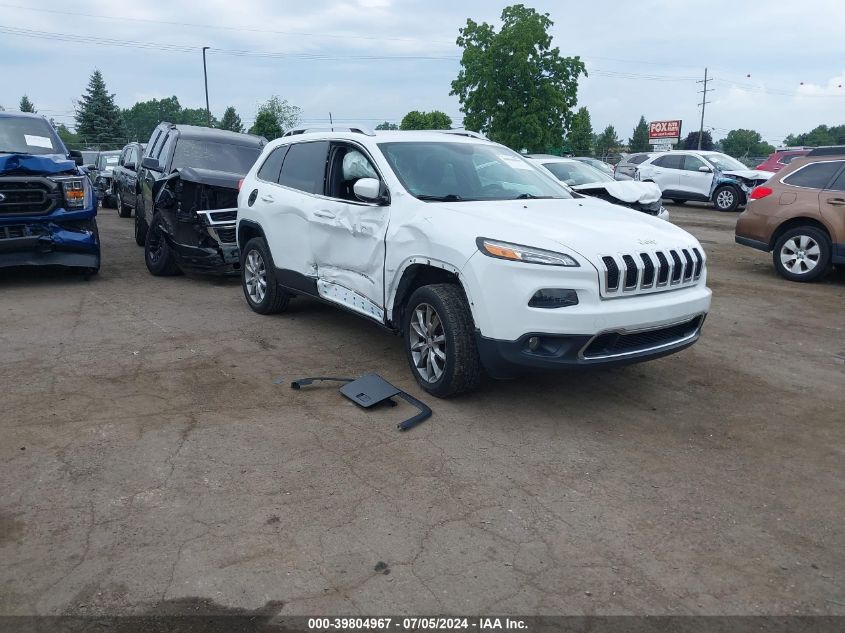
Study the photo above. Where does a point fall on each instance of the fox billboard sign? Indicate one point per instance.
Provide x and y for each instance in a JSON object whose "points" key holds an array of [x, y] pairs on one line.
{"points": [[661, 132]]}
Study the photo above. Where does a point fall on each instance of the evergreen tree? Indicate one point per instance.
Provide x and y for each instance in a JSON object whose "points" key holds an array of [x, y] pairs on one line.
{"points": [[639, 139], [387, 126], [606, 141], [691, 141], [27, 105], [580, 137], [98, 119], [231, 121]]}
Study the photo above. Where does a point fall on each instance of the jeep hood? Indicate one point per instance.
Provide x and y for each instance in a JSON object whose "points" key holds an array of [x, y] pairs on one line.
{"points": [[210, 177], [36, 164], [587, 226], [750, 174]]}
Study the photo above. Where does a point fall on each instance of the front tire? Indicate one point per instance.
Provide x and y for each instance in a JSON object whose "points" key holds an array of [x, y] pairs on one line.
{"points": [[159, 257], [258, 279], [802, 254], [726, 198], [440, 341]]}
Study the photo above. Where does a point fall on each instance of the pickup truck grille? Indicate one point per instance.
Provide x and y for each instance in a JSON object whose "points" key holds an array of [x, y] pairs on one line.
{"points": [[650, 271], [28, 196]]}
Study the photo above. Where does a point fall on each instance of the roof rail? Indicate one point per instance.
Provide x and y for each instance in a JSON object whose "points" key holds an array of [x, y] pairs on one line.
{"points": [[330, 128], [459, 132], [827, 150]]}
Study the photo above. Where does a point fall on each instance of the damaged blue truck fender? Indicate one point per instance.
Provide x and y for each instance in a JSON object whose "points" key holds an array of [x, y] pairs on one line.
{"points": [[48, 207]]}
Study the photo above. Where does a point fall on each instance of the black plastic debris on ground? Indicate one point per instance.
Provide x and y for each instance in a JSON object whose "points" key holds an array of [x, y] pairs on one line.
{"points": [[369, 391]]}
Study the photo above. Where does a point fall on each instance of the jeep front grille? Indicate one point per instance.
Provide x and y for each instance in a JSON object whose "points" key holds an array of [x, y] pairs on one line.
{"points": [[650, 271], [617, 344]]}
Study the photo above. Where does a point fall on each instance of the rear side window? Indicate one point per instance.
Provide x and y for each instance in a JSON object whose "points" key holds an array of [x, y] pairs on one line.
{"points": [[636, 160], [839, 183], [304, 167], [814, 175], [670, 161], [152, 145], [273, 165]]}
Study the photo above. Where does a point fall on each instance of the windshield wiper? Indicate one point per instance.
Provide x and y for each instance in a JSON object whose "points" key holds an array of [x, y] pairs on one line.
{"points": [[449, 197], [530, 196]]}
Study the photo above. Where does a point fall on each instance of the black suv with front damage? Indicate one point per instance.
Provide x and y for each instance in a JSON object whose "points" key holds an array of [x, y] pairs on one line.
{"points": [[48, 206], [186, 208]]}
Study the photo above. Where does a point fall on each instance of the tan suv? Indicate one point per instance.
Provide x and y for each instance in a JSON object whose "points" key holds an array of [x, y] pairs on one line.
{"points": [[799, 215]]}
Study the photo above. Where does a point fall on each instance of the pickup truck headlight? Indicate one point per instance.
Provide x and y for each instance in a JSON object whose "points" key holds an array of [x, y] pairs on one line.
{"points": [[74, 192], [527, 254]]}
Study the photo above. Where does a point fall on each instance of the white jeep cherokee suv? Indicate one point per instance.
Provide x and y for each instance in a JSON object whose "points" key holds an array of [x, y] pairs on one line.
{"points": [[477, 258]]}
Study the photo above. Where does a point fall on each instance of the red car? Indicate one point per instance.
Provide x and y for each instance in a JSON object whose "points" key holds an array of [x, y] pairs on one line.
{"points": [[780, 158]]}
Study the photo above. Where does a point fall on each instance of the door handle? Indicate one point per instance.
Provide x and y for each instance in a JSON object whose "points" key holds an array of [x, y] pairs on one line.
{"points": [[267, 197], [325, 214], [838, 202]]}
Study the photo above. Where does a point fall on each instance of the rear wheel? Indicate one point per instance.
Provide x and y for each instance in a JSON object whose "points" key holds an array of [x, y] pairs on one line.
{"points": [[258, 278], [122, 210], [726, 198], [802, 254], [440, 341], [158, 255], [140, 229]]}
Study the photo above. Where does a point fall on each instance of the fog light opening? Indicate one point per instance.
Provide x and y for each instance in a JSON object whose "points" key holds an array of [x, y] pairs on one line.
{"points": [[550, 298], [534, 343]]}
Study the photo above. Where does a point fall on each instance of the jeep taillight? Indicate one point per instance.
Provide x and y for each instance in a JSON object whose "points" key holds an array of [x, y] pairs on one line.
{"points": [[760, 192]]}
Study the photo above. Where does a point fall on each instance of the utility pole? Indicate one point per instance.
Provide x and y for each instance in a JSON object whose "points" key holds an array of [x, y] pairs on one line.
{"points": [[703, 103], [205, 75], [331, 122]]}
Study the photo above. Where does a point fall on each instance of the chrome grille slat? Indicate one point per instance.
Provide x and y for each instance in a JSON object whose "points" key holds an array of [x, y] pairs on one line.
{"points": [[650, 271]]}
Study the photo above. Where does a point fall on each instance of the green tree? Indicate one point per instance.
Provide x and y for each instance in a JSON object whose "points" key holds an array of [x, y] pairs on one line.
{"points": [[513, 86], [283, 113], [231, 121], [387, 126], [819, 135], [434, 120], [580, 138], [745, 143], [142, 118], [606, 142], [196, 116], [70, 139], [26, 105], [691, 141], [639, 138], [98, 119], [266, 125]]}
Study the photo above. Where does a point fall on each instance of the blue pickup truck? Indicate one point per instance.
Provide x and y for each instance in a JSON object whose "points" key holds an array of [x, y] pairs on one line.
{"points": [[48, 206]]}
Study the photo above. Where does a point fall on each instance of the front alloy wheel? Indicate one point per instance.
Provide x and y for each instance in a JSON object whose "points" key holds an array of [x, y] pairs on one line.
{"points": [[726, 198], [258, 279], [428, 343]]}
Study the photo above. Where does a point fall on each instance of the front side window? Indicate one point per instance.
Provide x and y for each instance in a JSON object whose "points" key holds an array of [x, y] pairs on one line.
{"points": [[444, 171], [304, 167], [347, 165], [814, 175], [636, 160], [839, 183], [202, 154], [27, 135], [575, 173], [692, 163]]}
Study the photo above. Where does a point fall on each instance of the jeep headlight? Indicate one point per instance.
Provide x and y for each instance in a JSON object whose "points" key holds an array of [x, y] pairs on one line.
{"points": [[527, 254]]}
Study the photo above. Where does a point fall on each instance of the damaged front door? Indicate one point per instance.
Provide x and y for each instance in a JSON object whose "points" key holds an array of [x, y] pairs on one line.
{"points": [[347, 235]]}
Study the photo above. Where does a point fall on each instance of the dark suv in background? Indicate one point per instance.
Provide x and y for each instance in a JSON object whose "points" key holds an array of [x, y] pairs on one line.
{"points": [[186, 206], [125, 178]]}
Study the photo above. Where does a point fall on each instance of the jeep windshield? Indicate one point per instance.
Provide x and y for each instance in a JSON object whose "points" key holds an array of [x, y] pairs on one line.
{"points": [[460, 172], [27, 135], [236, 159]]}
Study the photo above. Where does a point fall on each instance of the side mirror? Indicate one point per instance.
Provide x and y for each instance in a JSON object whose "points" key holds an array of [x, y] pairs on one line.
{"points": [[705, 169], [131, 166], [151, 163], [368, 190], [76, 155]]}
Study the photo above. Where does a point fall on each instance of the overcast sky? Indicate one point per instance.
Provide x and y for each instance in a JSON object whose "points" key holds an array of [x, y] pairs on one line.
{"points": [[779, 66]]}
